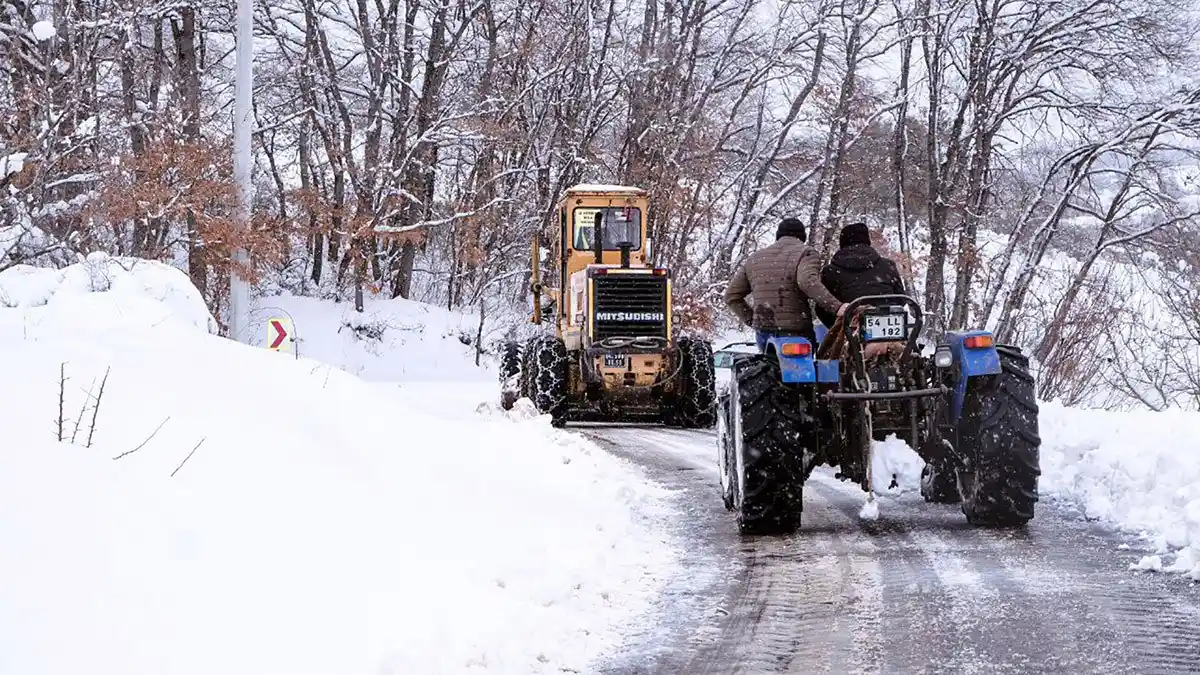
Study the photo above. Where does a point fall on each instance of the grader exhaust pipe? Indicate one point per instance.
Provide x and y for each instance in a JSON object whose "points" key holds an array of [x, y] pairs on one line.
{"points": [[535, 282], [598, 233]]}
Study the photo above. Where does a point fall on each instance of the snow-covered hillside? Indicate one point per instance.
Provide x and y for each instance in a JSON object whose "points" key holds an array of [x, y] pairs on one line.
{"points": [[217, 508]]}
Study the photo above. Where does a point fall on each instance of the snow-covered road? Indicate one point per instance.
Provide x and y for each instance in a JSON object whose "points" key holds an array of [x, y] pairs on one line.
{"points": [[916, 591]]}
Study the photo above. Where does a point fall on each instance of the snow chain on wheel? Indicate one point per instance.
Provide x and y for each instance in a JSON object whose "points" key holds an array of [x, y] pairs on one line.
{"points": [[548, 378], [998, 428], [773, 433], [696, 406], [528, 368], [510, 375]]}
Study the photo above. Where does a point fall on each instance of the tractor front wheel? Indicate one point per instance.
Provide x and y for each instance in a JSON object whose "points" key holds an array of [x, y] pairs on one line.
{"points": [[998, 432]]}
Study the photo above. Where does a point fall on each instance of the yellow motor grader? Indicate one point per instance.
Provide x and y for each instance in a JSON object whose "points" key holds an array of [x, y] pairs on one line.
{"points": [[612, 355]]}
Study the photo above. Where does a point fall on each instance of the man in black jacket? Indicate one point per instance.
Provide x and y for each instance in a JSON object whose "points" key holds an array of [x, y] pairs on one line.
{"points": [[857, 270]]}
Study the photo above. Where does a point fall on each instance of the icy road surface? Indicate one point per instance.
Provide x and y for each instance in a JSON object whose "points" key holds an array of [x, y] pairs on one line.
{"points": [[918, 590]]}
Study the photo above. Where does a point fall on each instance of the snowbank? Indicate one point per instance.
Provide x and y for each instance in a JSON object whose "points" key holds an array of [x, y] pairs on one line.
{"points": [[274, 515], [1139, 470], [103, 293]]}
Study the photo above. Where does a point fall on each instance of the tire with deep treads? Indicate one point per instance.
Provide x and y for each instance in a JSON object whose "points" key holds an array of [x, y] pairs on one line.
{"points": [[998, 431], [775, 438], [510, 374], [696, 405], [548, 378]]}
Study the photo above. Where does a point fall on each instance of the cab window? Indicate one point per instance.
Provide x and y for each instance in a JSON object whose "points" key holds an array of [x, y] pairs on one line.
{"points": [[619, 224]]}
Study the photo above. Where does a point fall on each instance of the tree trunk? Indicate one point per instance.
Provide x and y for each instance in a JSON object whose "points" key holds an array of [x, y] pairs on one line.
{"points": [[183, 30]]}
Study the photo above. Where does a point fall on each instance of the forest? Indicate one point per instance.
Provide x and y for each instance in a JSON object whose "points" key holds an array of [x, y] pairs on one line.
{"points": [[1031, 164]]}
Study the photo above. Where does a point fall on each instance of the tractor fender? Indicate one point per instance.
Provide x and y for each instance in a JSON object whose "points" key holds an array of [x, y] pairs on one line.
{"points": [[971, 362], [797, 359], [802, 367]]}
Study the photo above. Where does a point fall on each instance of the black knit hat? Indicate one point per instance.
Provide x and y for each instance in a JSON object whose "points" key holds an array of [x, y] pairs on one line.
{"points": [[854, 233], [791, 227]]}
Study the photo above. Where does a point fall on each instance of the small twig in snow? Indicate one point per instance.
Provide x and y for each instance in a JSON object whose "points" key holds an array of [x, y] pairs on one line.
{"points": [[143, 443], [185, 459], [96, 408], [62, 388], [83, 410]]}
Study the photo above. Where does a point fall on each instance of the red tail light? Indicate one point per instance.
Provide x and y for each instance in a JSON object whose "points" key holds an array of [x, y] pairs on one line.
{"points": [[978, 342], [795, 349]]}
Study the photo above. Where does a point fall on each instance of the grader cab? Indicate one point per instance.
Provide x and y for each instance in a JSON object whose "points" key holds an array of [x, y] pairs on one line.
{"points": [[608, 352]]}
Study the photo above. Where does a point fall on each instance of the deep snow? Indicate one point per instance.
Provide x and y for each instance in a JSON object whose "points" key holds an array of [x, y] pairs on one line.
{"points": [[1139, 470], [315, 523]]}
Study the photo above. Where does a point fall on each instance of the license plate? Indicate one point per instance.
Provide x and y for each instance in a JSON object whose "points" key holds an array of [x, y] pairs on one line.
{"points": [[615, 360], [885, 327]]}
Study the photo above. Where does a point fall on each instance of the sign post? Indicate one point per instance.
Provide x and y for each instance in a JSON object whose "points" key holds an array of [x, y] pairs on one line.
{"points": [[239, 289]]}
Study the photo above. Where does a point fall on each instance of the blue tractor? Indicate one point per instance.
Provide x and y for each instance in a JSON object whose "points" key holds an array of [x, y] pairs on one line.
{"points": [[968, 408]]}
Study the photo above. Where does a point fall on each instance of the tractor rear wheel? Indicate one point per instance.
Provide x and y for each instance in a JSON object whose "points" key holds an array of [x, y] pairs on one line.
{"points": [[726, 446], [695, 406], [998, 431], [548, 378], [773, 436], [510, 374]]}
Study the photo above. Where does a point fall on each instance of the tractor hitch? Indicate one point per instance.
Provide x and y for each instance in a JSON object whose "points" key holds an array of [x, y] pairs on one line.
{"points": [[886, 395]]}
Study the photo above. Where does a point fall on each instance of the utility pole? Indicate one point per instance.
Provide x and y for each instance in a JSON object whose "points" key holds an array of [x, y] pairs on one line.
{"points": [[239, 291]]}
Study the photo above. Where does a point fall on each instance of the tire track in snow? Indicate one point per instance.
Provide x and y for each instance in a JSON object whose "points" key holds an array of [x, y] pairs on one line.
{"points": [[812, 603], [917, 591], [692, 611], [1134, 623], [927, 588], [926, 570], [1000, 602]]}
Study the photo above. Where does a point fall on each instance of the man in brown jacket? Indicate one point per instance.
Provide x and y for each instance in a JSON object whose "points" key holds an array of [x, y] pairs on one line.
{"points": [[781, 278]]}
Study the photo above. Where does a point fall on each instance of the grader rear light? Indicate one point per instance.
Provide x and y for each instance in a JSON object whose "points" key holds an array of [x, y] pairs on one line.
{"points": [[978, 342], [795, 349]]}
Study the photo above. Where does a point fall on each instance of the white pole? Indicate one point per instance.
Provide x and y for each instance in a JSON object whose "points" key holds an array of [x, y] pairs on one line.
{"points": [[239, 291]]}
